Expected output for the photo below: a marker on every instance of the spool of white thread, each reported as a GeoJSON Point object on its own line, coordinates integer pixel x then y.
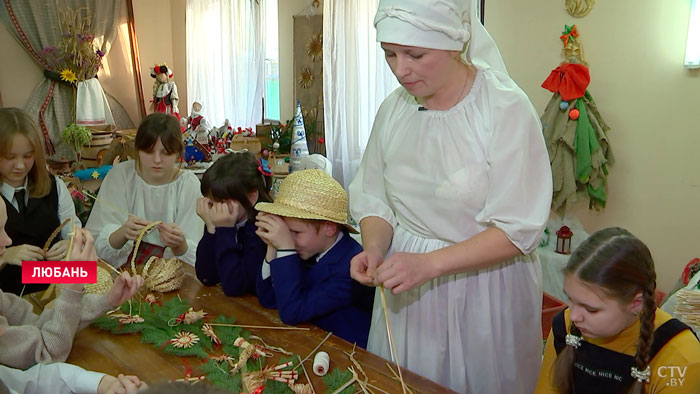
{"type": "Point", "coordinates": [321, 362]}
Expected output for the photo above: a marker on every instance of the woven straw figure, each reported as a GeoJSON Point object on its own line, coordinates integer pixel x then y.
{"type": "Point", "coordinates": [158, 274]}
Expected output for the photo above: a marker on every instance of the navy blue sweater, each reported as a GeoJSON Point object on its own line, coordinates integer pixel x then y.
{"type": "Point", "coordinates": [232, 257]}
{"type": "Point", "coordinates": [321, 293]}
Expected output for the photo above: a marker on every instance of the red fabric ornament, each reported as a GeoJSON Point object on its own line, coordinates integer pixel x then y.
{"type": "Point", "coordinates": [574, 114]}
{"type": "Point", "coordinates": [569, 80]}
{"type": "Point", "coordinates": [321, 140]}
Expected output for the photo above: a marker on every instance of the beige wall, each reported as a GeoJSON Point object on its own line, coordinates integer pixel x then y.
{"type": "Point", "coordinates": [635, 51]}
{"type": "Point", "coordinates": [19, 73]}
{"type": "Point", "coordinates": [286, 10]}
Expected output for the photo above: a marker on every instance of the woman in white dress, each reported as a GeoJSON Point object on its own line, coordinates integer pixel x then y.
{"type": "Point", "coordinates": [151, 188]}
{"type": "Point", "coordinates": [452, 196]}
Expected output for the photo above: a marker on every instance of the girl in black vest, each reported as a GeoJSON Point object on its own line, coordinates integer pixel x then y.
{"type": "Point", "coordinates": [613, 338]}
{"type": "Point", "coordinates": [36, 201]}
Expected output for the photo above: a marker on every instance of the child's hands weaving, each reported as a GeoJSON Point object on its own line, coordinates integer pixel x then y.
{"type": "Point", "coordinates": [122, 384]}
{"type": "Point", "coordinates": [173, 237]}
{"type": "Point", "coordinates": [16, 254]}
{"type": "Point", "coordinates": [124, 287]}
{"type": "Point", "coordinates": [58, 250]}
{"type": "Point", "coordinates": [133, 226]}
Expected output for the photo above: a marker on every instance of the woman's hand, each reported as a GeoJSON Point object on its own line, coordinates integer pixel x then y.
{"type": "Point", "coordinates": [405, 271]}
{"type": "Point", "coordinates": [204, 205]}
{"type": "Point", "coordinates": [120, 385]}
{"type": "Point", "coordinates": [133, 226]}
{"type": "Point", "coordinates": [58, 250]}
{"type": "Point", "coordinates": [124, 287]}
{"type": "Point", "coordinates": [83, 246]}
{"type": "Point", "coordinates": [363, 267]}
{"type": "Point", "coordinates": [225, 214]}
{"type": "Point", "coordinates": [273, 230]}
{"type": "Point", "coordinates": [16, 254]}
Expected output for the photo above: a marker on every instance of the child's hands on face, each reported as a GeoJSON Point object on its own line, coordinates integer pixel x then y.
{"type": "Point", "coordinates": [225, 213]}
{"type": "Point", "coordinates": [273, 230]}
{"type": "Point", "coordinates": [204, 205]}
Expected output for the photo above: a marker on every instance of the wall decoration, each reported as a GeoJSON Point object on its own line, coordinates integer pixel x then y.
{"type": "Point", "coordinates": [308, 71]}
{"type": "Point", "coordinates": [579, 8]}
{"type": "Point", "coordinates": [575, 133]}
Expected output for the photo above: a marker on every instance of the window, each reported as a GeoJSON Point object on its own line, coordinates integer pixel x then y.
{"type": "Point", "coordinates": [272, 67]}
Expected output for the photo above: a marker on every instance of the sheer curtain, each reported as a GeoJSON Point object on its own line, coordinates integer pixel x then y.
{"type": "Point", "coordinates": [225, 59]}
{"type": "Point", "coordinates": [356, 79]}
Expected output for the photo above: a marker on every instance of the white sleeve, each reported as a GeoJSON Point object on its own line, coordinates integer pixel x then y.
{"type": "Point", "coordinates": [66, 209]}
{"type": "Point", "coordinates": [174, 98]}
{"type": "Point", "coordinates": [56, 378]}
{"type": "Point", "coordinates": [520, 177]}
{"type": "Point", "coordinates": [367, 193]}
{"type": "Point", "coordinates": [188, 220]}
{"type": "Point", "coordinates": [106, 218]}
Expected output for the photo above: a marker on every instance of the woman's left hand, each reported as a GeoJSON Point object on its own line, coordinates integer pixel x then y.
{"type": "Point", "coordinates": [124, 287]}
{"type": "Point", "coordinates": [405, 271]}
{"type": "Point", "coordinates": [58, 250]}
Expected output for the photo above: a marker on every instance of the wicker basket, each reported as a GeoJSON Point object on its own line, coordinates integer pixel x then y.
{"type": "Point", "coordinates": [158, 274]}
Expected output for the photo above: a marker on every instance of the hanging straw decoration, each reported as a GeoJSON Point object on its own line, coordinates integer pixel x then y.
{"type": "Point", "coordinates": [392, 346]}
{"type": "Point", "coordinates": [579, 8]}
{"type": "Point", "coordinates": [158, 274]}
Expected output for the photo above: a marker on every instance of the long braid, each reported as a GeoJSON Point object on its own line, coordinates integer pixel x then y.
{"type": "Point", "coordinates": [563, 368]}
{"type": "Point", "coordinates": [646, 334]}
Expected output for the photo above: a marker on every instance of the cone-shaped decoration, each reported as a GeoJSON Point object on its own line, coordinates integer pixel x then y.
{"type": "Point", "coordinates": [300, 146]}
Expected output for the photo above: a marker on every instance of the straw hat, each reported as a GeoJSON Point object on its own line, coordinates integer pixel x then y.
{"type": "Point", "coordinates": [310, 194]}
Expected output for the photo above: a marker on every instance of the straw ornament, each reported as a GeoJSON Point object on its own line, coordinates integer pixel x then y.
{"type": "Point", "coordinates": [184, 340]}
{"type": "Point", "coordinates": [310, 194]}
{"type": "Point", "coordinates": [579, 8]}
{"type": "Point", "coordinates": [209, 332]}
{"type": "Point", "coordinates": [256, 379]}
{"type": "Point", "coordinates": [158, 274]}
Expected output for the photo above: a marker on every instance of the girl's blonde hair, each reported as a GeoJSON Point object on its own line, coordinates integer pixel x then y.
{"type": "Point", "coordinates": [15, 121]}
{"type": "Point", "coordinates": [620, 265]}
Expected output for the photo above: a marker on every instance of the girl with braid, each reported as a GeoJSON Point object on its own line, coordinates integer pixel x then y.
{"type": "Point", "coordinates": [613, 338]}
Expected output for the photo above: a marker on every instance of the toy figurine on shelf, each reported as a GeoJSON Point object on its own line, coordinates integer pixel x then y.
{"type": "Point", "coordinates": [197, 125]}
{"type": "Point", "coordinates": [225, 131]}
{"type": "Point", "coordinates": [165, 97]}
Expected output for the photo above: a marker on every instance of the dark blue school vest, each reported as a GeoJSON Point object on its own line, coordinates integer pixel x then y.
{"type": "Point", "coordinates": [33, 227]}
{"type": "Point", "coordinates": [603, 371]}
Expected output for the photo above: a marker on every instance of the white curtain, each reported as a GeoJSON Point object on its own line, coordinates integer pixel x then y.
{"type": "Point", "coordinates": [356, 79]}
{"type": "Point", "coordinates": [225, 59]}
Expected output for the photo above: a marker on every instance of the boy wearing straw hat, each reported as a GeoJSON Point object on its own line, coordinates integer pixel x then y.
{"type": "Point", "coordinates": [306, 273]}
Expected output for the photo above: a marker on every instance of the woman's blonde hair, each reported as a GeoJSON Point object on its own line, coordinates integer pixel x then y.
{"type": "Point", "coordinates": [15, 121]}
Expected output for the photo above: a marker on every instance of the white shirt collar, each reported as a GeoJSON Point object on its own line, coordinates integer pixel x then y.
{"type": "Point", "coordinates": [337, 239]}
{"type": "Point", "coordinates": [8, 191]}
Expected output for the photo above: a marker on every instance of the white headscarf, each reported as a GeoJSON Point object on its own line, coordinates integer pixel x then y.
{"type": "Point", "coordinates": [438, 24]}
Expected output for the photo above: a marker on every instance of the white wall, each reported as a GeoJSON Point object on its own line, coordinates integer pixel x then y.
{"type": "Point", "coordinates": [635, 51]}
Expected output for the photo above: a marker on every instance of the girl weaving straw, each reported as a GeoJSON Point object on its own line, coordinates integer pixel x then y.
{"type": "Point", "coordinates": [613, 338]}
{"type": "Point", "coordinates": [36, 202]}
{"type": "Point", "coordinates": [230, 252]}
{"type": "Point", "coordinates": [28, 338]}
{"type": "Point", "coordinates": [151, 188]}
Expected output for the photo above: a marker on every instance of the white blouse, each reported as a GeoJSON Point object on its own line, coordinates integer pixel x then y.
{"type": "Point", "coordinates": [123, 190]}
{"type": "Point", "coordinates": [451, 174]}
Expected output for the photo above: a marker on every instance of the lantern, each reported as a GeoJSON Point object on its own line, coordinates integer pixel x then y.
{"type": "Point", "coordinates": [564, 235]}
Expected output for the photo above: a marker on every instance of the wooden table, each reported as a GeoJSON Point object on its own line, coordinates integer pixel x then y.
{"type": "Point", "coordinates": [102, 351]}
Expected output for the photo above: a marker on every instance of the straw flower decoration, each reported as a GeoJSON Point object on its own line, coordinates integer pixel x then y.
{"type": "Point", "coordinates": [306, 78]}
{"type": "Point", "coordinates": [184, 340]}
{"type": "Point", "coordinates": [314, 48]}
